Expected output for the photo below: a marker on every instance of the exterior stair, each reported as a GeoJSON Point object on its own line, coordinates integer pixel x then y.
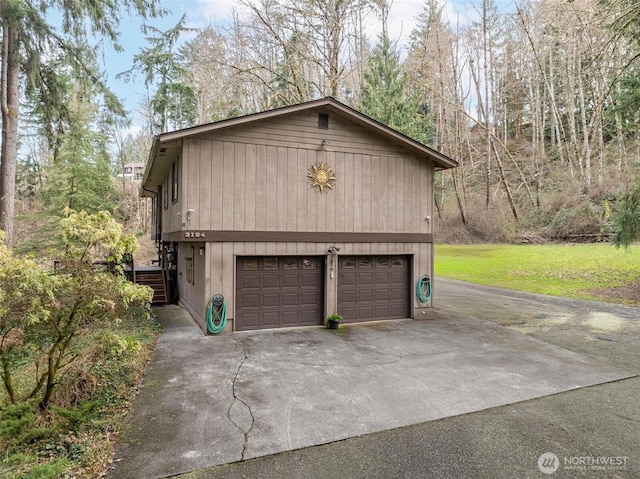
{"type": "Point", "coordinates": [154, 278]}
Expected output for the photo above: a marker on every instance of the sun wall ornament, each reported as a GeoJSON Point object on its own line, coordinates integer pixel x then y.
{"type": "Point", "coordinates": [321, 176]}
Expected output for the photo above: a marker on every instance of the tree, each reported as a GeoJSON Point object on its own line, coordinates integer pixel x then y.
{"type": "Point", "coordinates": [28, 36]}
{"type": "Point", "coordinates": [626, 219]}
{"type": "Point", "coordinates": [173, 104]}
{"type": "Point", "coordinates": [386, 95]}
{"type": "Point", "coordinates": [79, 177]}
{"type": "Point", "coordinates": [44, 314]}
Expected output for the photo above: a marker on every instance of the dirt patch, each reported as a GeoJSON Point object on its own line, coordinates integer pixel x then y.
{"type": "Point", "coordinates": [627, 294]}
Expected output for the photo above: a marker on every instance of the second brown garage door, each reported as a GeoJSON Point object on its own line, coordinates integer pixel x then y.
{"type": "Point", "coordinates": [279, 291]}
{"type": "Point", "coordinates": [374, 287]}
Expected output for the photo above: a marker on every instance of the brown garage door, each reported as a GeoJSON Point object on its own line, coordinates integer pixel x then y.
{"type": "Point", "coordinates": [374, 287]}
{"type": "Point", "coordinates": [279, 291]}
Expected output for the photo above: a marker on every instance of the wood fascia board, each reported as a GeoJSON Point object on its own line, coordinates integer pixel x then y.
{"type": "Point", "coordinates": [441, 161]}
{"type": "Point", "coordinates": [229, 236]}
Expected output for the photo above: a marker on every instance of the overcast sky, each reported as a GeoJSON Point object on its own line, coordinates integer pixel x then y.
{"type": "Point", "coordinates": [200, 13]}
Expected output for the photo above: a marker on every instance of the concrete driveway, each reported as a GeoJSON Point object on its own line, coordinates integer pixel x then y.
{"type": "Point", "coordinates": [207, 401]}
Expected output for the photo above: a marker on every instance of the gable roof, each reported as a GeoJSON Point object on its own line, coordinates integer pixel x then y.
{"type": "Point", "coordinates": [440, 160]}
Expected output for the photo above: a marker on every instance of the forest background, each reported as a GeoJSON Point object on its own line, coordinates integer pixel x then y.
{"type": "Point", "coordinates": [538, 102]}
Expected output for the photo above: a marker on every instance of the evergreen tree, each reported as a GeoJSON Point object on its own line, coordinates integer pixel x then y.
{"type": "Point", "coordinates": [174, 103]}
{"type": "Point", "coordinates": [29, 36]}
{"type": "Point", "coordinates": [385, 95]}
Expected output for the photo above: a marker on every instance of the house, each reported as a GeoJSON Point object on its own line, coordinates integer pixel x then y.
{"type": "Point", "coordinates": [133, 171]}
{"type": "Point", "coordinates": [293, 214]}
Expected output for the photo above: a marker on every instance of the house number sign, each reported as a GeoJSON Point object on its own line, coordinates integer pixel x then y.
{"type": "Point", "coordinates": [193, 234]}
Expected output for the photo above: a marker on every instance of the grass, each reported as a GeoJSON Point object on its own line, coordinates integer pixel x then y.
{"type": "Point", "coordinates": [584, 271]}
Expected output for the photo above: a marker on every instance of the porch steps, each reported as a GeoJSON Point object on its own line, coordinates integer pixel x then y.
{"type": "Point", "coordinates": [154, 278]}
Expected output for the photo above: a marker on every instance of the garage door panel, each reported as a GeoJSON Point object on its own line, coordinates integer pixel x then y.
{"type": "Point", "coordinates": [347, 296]}
{"type": "Point", "coordinates": [250, 301]}
{"type": "Point", "coordinates": [347, 278]}
{"type": "Point", "coordinates": [270, 280]}
{"type": "Point", "coordinates": [270, 319]}
{"type": "Point", "coordinates": [381, 277]}
{"type": "Point", "coordinates": [308, 278]}
{"type": "Point", "coordinates": [274, 292]}
{"type": "Point", "coordinates": [310, 299]}
{"type": "Point", "coordinates": [250, 281]}
{"type": "Point", "coordinates": [288, 318]}
{"type": "Point", "coordinates": [374, 287]}
{"type": "Point", "coordinates": [290, 281]}
{"type": "Point", "coordinates": [270, 299]}
{"type": "Point", "coordinates": [381, 295]}
{"type": "Point", "coordinates": [364, 278]}
{"type": "Point", "coordinates": [364, 295]}
{"type": "Point", "coordinates": [381, 311]}
{"type": "Point", "coordinates": [289, 299]}
{"type": "Point", "coordinates": [252, 320]}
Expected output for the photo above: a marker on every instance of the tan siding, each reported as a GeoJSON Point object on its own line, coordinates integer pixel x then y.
{"type": "Point", "coordinates": [217, 184]}
{"type": "Point", "coordinates": [238, 186]}
{"type": "Point", "coordinates": [250, 185]}
{"type": "Point", "coordinates": [203, 212]}
{"type": "Point", "coordinates": [272, 185]}
{"type": "Point", "coordinates": [291, 189]}
{"type": "Point", "coordinates": [301, 190]}
{"type": "Point", "coordinates": [301, 131]}
{"type": "Point", "coordinates": [262, 187]}
{"type": "Point", "coordinates": [228, 172]}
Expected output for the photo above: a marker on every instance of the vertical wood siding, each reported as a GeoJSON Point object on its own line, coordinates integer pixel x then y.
{"type": "Point", "coordinates": [255, 178]}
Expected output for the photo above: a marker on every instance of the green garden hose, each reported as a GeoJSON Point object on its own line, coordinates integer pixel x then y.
{"type": "Point", "coordinates": [216, 314]}
{"type": "Point", "coordinates": [423, 289]}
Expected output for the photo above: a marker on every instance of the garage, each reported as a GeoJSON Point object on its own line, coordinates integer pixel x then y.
{"type": "Point", "coordinates": [279, 291]}
{"type": "Point", "coordinates": [374, 287]}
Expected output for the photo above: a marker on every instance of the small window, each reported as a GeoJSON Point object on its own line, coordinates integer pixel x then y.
{"type": "Point", "coordinates": [174, 181]}
{"type": "Point", "coordinates": [165, 193]}
{"type": "Point", "coordinates": [397, 262]}
{"type": "Point", "coordinates": [323, 121]}
{"type": "Point", "coordinates": [250, 264]}
{"type": "Point", "coordinates": [154, 208]}
{"type": "Point", "coordinates": [270, 263]}
{"type": "Point", "coordinates": [290, 263]}
{"type": "Point", "coordinates": [365, 262]}
{"type": "Point", "coordinates": [382, 261]}
{"type": "Point", "coordinates": [309, 263]}
{"type": "Point", "coordinates": [189, 268]}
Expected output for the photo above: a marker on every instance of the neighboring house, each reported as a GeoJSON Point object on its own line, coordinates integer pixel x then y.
{"type": "Point", "coordinates": [293, 214]}
{"type": "Point", "coordinates": [133, 171]}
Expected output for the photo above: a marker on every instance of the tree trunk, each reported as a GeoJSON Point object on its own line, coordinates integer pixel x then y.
{"type": "Point", "coordinates": [10, 103]}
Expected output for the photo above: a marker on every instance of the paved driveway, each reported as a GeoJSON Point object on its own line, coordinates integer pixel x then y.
{"type": "Point", "coordinates": [207, 401]}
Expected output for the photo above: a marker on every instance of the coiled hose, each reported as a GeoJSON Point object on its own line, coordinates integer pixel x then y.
{"type": "Point", "coordinates": [216, 316]}
{"type": "Point", "coordinates": [423, 289]}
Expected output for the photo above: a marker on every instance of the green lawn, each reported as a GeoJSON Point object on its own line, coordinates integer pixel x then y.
{"type": "Point", "coordinates": [587, 271]}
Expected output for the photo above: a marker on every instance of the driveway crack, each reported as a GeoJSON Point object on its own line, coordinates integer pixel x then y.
{"type": "Point", "coordinates": [239, 412]}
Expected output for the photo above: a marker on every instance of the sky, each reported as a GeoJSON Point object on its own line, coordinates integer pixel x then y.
{"type": "Point", "coordinates": [200, 13]}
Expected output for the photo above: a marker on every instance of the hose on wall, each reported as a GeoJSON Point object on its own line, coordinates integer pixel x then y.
{"type": "Point", "coordinates": [216, 314]}
{"type": "Point", "coordinates": [423, 289]}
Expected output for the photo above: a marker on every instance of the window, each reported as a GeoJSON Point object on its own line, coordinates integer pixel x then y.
{"type": "Point", "coordinates": [165, 193]}
{"type": "Point", "coordinates": [323, 121]}
{"type": "Point", "coordinates": [154, 209]}
{"type": "Point", "coordinates": [189, 268]}
{"type": "Point", "coordinates": [174, 181]}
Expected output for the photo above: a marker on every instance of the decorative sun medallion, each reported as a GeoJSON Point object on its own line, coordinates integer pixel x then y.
{"type": "Point", "coordinates": [321, 176]}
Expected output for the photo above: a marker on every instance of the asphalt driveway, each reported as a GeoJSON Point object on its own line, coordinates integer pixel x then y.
{"type": "Point", "coordinates": [209, 401]}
